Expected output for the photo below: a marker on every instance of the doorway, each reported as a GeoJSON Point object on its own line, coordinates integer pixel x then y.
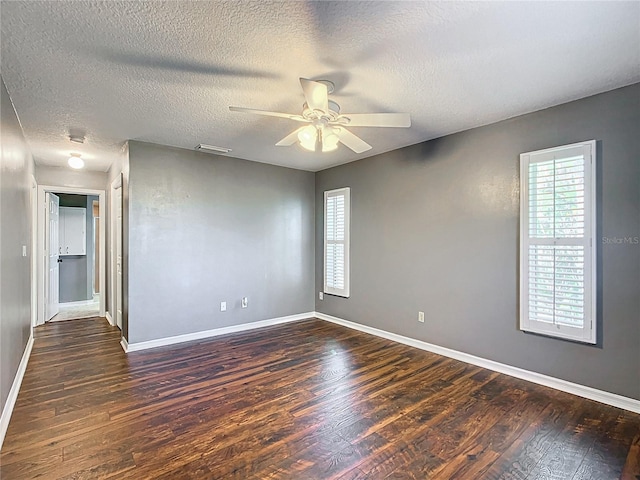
{"type": "Point", "coordinates": [71, 246]}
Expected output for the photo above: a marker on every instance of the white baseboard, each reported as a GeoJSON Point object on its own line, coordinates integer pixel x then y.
{"type": "Point", "coordinates": [574, 388]}
{"type": "Point", "coordinates": [107, 315]}
{"type": "Point", "coordinates": [188, 337]}
{"type": "Point", "coordinates": [15, 388]}
{"type": "Point", "coordinates": [124, 344]}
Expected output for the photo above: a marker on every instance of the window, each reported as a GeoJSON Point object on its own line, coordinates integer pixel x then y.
{"type": "Point", "coordinates": [557, 248]}
{"type": "Point", "coordinates": [337, 206]}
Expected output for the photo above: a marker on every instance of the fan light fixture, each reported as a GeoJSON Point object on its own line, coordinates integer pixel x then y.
{"type": "Point", "coordinates": [327, 124]}
{"type": "Point", "coordinates": [308, 137]}
{"type": "Point", "coordinates": [75, 161]}
{"type": "Point", "coordinates": [329, 140]}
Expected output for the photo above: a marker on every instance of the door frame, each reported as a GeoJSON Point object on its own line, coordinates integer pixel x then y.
{"type": "Point", "coordinates": [41, 232]}
{"type": "Point", "coordinates": [113, 267]}
{"type": "Point", "coordinates": [34, 250]}
{"type": "Point", "coordinates": [96, 248]}
{"type": "Point", "coordinates": [52, 255]}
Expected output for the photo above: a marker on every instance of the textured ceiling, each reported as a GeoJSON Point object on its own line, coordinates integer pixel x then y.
{"type": "Point", "coordinates": [165, 72]}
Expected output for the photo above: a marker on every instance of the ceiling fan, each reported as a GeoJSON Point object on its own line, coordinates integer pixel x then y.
{"type": "Point", "coordinates": [326, 125]}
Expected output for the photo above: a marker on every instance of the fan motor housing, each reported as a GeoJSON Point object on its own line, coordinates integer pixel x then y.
{"type": "Point", "coordinates": [332, 114]}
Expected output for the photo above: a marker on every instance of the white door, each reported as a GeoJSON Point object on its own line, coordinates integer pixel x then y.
{"type": "Point", "coordinates": [119, 257]}
{"type": "Point", "coordinates": [52, 255]}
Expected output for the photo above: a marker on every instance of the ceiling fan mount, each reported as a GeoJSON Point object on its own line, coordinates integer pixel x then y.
{"type": "Point", "coordinates": [326, 124]}
{"type": "Point", "coordinates": [332, 114]}
{"type": "Point", "coordinates": [331, 87]}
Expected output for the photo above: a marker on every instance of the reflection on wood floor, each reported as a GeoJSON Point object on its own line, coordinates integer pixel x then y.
{"type": "Point", "coordinates": [305, 400]}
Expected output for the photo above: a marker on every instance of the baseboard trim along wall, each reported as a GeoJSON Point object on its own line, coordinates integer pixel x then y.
{"type": "Point", "coordinates": [601, 396]}
{"type": "Point", "coordinates": [188, 337]}
{"type": "Point", "coordinates": [109, 319]}
{"type": "Point", "coordinates": [574, 388]}
{"type": "Point", "coordinates": [15, 388]}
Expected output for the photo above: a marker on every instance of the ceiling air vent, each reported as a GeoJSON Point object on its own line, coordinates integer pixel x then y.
{"type": "Point", "coordinates": [212, 148]}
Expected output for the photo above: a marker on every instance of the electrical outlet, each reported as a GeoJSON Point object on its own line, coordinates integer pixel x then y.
{"type": "Point", "coordinates": [421, 317]}
{"type": "Point", "coordinates": [321, 295]}
{"type": "Point", "coordinates": [223, 306]}
{"type": "Point", "coordinates": [245, 302]}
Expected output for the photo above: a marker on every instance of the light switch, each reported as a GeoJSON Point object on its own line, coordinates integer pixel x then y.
{"type": "Point", "coordinates": [223, 306]}
{"type": "Point", "coordinates": [24, 250]}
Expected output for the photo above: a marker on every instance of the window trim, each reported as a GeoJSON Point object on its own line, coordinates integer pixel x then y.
{"type": "Point", "coordinates": [587, 333]}
{"type": "Point", "coordinates": [344, 292]}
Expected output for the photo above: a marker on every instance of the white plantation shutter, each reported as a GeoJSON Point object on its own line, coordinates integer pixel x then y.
{"type": "Point", "coordinates": [336, 241]}
{"type": "Point", "coordinates": [557, 251]}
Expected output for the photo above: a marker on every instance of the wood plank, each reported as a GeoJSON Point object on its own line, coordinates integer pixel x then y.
{"type": "Point", "coordinates": [306, 400]}
{"type": "Point", "coordinates": [631, 469]}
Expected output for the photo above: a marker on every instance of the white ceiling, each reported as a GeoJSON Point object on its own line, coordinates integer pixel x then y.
{"type": "Point", "coordinates": [165, 72]}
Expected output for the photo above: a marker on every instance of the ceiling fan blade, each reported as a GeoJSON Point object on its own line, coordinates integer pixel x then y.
{"type": "Point", "coordinates": [290, 139]}
{"type": "Point", "coordinates": [375, 120]}
{"type": "Point", "coordinates": [267, 113]}
{"type": "Point", "coordinates": [352, 141]}
{"type": "Point", "coordinates": [316, 95]}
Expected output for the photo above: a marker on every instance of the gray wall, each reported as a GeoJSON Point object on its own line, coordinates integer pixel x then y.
{"type": "Point", "coordinates": [73, 278]}
{"type": "Point", "coordinates": [435, 228]}
{"type": "Point", "coordinates": [67, 177]}
{"type": "Point", "coordinates": [16, 169]}
{"type": "Point", "coordinates": [205, 229]}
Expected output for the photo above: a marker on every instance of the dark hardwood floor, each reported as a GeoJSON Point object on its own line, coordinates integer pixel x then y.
{"type": "Point", "coordinates": [305, 400]}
